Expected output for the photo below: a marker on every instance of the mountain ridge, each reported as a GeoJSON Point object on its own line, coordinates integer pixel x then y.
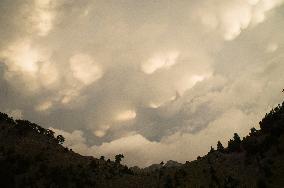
{"type": "Point", "coordinates": [31, 156]}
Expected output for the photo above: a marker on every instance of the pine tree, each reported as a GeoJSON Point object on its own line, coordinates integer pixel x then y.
{"type": "Point", "coordinates": [252, 131]}
{"type": "Point", "coordinates": [237, 138]}
{"type": "Point", "coordinates": [234, 145]}
{"type": "Point", "coordinates": [220, 147]}
{"type": "Point", "coordinates": [118, 158]}
{"type": "Point", "coordinates": [211, 150]}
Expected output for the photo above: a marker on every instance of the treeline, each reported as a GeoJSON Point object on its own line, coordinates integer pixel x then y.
{"type": "Point", "coordinates": [45, 164]}
{"type": "Point", "coordinates": [25, 126]}
{"type": "Point", "coordinates": [258, 141]}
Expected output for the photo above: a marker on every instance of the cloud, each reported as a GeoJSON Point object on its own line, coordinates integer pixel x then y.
{"type": "Point", "coordinates": [126, 115]}
{"type": "Point", "coordinates": [143, 152]}
{"type": "Point", "coordinates": [44, 106]}
{"type": "Point", "coordinates": [160, 60]}
{"type": "Point", "coordinates": [84, 69]}
{"type": "Point", "coordinates": [43, 16]}
{"type": "Point", "coordinates": [28, 65]}
{"type": "Point", "coordinates": [16, 113]}
{"type": "Point", "coordinates": [48, 75]}
{"type": "Point", "coordinates": [188, 82]}
{"type": "Point", "coordinates": [101, 131]}
{"type": "Point", "coordinates": [271, 47]}
{"type": "Point", "coordinates": [74, 140]}
{"type": "Point", "coordinates": [232, 17]}
{"type": "Point", "coordinates": [30, 68]}
{"type": "Point", "coordinates": [22, 57]}
{"type": "Point", "coordinates": [167, 78]}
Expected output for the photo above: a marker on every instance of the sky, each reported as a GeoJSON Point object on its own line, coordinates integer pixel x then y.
{"type": "Point", "coordinates": [156, 80]}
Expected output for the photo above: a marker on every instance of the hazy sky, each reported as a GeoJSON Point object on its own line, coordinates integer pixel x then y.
{"type": "Point", "coordinates": [154, 80]}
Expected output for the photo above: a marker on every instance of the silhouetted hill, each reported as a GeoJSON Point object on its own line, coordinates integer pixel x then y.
{"type": "Point", "coordinates": [30, 156]}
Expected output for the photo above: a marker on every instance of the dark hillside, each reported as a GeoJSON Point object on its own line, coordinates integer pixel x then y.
{"type": "Point", "coordinates": [30, 156]}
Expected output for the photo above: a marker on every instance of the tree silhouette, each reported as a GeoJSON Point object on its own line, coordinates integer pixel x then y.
{"type": "Point", "coordinates": [234, 145]}
{"type": "Point", "coordinates": [60, 139]}
{"type": "Point", "coordinates": [252, 131]}
{"type": "Point", "coordinates": [6, 118]}
{"type": "Point", "coordinates": [237, 138]}
{"type": "Point", "coordinates": [220, 147]}
{"type": "Point", "coordinates": [211, 150]}
{"type": "Point", "coordinates": [118, 158]}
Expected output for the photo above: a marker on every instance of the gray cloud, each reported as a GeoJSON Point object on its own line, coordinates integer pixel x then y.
{"type": "Point", "coordinates": [155, 80]}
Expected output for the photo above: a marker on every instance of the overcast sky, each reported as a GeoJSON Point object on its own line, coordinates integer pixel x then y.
{"type": "Point", "coordinates": [155, 80]}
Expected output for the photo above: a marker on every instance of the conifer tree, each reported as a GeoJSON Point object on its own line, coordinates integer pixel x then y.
{"type": "Point", "coordinates": [220, 147]}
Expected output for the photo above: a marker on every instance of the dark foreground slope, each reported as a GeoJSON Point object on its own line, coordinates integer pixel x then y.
{"type": "Point", "coordinates": [31, 156]}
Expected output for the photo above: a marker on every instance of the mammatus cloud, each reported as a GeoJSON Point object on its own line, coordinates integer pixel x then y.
{"type": "Point", "coordinates": [84, 69]}
{"type": "Point", "coordinates": [31, 69]}
{"type": "Point", "coordinates": [126, 115]}
{"type": "Point", "coordinates": [184, 146]}
{"type": "Point", "coordinates": [28, 65]}
{"type": "Point", "coordinates": [44, 106]}
{"type": "Point", "coordinates": [43, 16]}
{"type": "Point", "coordinates": [232, 17]}
{"type": "Point", "coordinates": [155, 80]}
{"type": "Point", "coordinates": [160, 60]}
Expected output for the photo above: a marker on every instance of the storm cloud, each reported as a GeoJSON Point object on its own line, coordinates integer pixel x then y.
{"type": "Point", "coordinates": [155, 80]}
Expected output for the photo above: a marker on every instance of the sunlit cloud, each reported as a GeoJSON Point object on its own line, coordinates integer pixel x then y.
{"type": "Point", "coordinates": [101, 131]}
{"type": "Point", "coordinates": [233, 17]}
{"type": "Point", "coordinates": [158, 81]}
{"type": "Point", "coordinates": [85, 69]}
{"type": "Point", "coordinates": [31, 64]}
{"type": "Point", "coordinates": [126, 115]}
{"type": "Point", "coordinates": [68, 97]}
{"type": "Point", "coordinates": [44, 106]}
{"type": "Point", "coordinates": [21, 56]}
{"type": "Point", "coordinates": [160, 60]}
{"type": "Point", "coordinates": [145, 152]}
{"type": "Point", "coordinates": [154, 105]}
{"type": "Point", "coordinates": [48, 74]}
{"type": "Point", "coordinates": [43, 16]}
{"type": "Point", "coordinates": [74, 140]}
{"type": "Point", "coordinates": [188, 82]}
